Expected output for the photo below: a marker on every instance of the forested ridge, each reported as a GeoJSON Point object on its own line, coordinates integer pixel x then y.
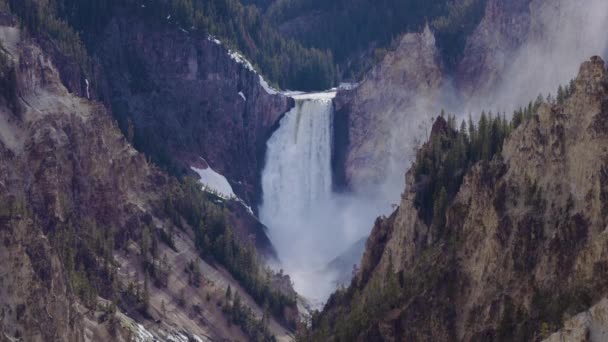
{"type": "Point", "coordinates": [441, 164]}
{"type": "Point", "coordinates": [348, 28]}
{"type": "Point", "coordinates": [325, 45]}
{"type": "Point", "coordinates": [75, 25]}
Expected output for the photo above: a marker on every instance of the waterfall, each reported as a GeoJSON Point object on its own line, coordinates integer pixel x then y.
{"type": "Point", "coordinates": [308, 224]}
{"type": "Point", "coordinates": [298, 160]}
{"type": "Point", "coordinates": [297, 184]}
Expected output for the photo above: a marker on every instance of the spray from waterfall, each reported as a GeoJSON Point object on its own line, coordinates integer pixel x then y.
{"type": "Point", "coordinates": [560, 35]}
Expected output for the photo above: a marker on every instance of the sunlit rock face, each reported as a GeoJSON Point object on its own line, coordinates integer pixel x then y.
{"type": "Point", "coordinates": [379, 121]}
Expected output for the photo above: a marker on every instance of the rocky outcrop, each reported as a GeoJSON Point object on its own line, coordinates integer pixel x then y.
{"type": "Point", "coordinates": [588, 326]}
{"type": "Point", "coordinates": [374, 122]}
{"type": "Point", "coordinates": [62, 158]}
{"type": "Point", "coordinates": [188, 95]}
{"type": "Point", "coordinates": [524, 245]}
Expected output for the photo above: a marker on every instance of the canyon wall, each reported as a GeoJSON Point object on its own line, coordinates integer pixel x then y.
{"type": "Point", "coordinates": [80, 209]}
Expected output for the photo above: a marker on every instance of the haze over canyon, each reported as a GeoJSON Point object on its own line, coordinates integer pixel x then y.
{"type": "Point", "coordinates": [303, 170]}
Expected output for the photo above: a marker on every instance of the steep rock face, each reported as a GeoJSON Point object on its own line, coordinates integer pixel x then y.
{"type": "Point", "coordinates": [62, 158]}
{"type": "Point", "coordinates": [71, 183]}
{"type": "Point", "coordinates": [406, 82]}
{"type": "Point", "coordinates": [524, 244]}
{"type": "Point", "coordinates": [187, 96]}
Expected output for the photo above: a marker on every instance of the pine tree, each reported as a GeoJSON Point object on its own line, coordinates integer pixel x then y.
{"type": "Point", "coordinates": [228, 293]}
{"type": "Point", "coordinates": [439, 208]}
{"type": "Point", "coordinates": [146, 293]}
{"type": "Point", "coordinates": [196, 274]}
{"type": "Point", "coordinates": [539, 100]}
{"type": "Point", "coordinates": [145, 243]}
{"type": "Point", "coordinates": [484, 133]}
{"type": "Point", "coordinates": [181, 300]}
{"type": "Point", "coordinates": [236, 308]}
{"type": "Point", "coordinates": [518, 117]}
{"type": "Point", "coordinates": [571, 88]}
{"type": "Point", "coordinates": [463, 129]}
{"type": "Point", "coordinates": [473, 152]}
{"type": "Point", "coordinates": [561, 95]}
{"type": "Point", "coordinates": [495, 137]}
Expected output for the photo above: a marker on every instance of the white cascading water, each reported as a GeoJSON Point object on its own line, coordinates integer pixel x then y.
{"type": "Point", "coordinates": [309, 225]}
{"type": "Point", "coordinates": [297, 192]}
{"type": "Point", "coordinates": [298, 161]}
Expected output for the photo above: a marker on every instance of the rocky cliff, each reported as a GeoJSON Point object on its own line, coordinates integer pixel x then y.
{"type": "Point", "coordinates": [80, 211]}
{"type": "Point", "coordinates": [187, 95]}
{"type": "Point", "coordinates": [370, 121]}
{"type": "Point", "coordinates": [587, 326]}
{"type": "Point", "coordinates": [523, 248]}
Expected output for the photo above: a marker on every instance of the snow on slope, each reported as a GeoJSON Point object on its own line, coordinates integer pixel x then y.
{"type": "Point", "coordinates": [215, 183]}
{"type": "Point", "coordinates": [237, 57]}
{"type": "Point", "coordinates": [218, 185]}
{"type": "Point", "coordinates": [270, 90]}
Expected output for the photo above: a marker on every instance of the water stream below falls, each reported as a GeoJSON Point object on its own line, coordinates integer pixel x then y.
{"type": "Point", "coordinates": [308, 224]}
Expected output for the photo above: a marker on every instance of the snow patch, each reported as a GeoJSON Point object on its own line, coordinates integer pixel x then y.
{"type": "Point", "coordinates": [249, 210]}
{"type": "Point", "coordinates": [348, 86]}
{"type": "Point", "coordinates": [215, 183]}
{"type": "Point", "coordinates": [237, 57]}
{"type": "Point", "coordinates": [270, 90]}
{"type": "Point", "coordinates": [214, 40]}
{"type": "Point", "coordinates": [242, 96]}
{"type": "Point", "coordinates": [181, 337]}
{"type": "Point", "coordinates": [86, 81]}
{"type": "Point", "coordinates": [140, 333]}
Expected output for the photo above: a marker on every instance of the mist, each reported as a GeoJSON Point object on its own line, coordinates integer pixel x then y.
{"type": "Point", "coordinates": [310, 225]}
{"type": "Point", "coordinates": [560, 36]}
